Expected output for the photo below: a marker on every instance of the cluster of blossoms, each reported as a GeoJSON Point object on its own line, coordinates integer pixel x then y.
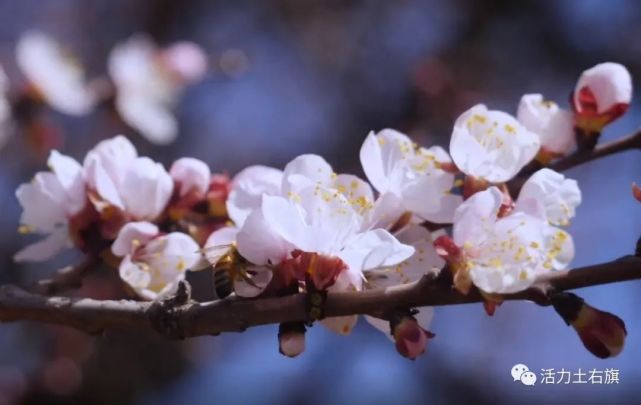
{"type": "Point", "coordinates": [306, 228]}
{"type": "Point", "coordinates": [144, 83]}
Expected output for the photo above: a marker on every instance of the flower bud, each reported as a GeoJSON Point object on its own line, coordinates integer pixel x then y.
{"type": "Point", "coordinates": [636, 192]}
{"type": "Point", "coordinates": [553, 125]}
{"type": "Point", "coordinates": [411, 339]}
{"type": "Point", "coordinates": [602, 333]}
{"type": "Point", "coordinates": [602, 94]}
{"type": "Point", "coordinates": [291, 338]}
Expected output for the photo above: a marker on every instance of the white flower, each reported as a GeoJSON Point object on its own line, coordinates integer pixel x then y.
{"type": "Point", "coordinates": [136, 186]}
{"type": "Point", "coordinates": [504, 255]}
{"type": "Point", "coordinates": [318, 220]}
{"type": "Point", "coordinates": [304, 171]}
{"type": "Point", "coordinates": [491, 145]}
{"type": "Point", "coordinates": [192, 177]}
{"type": "Point", "coordinates": [49, 202]}
{"type": "Point", "coordinates": [247, 189]}
{"type": "Point", "coordinates": [602, 89]}
{"type": "Point", "coordinates": [558, 196]}
{"type": "Point", "coordinates": [321, 221]}
{"type": "Point", "coordinates": [149, 81]}
{"type": "Point", "coordinates": [553, 125]}
{"type": "Point", "coordinates": [153, 264]}
{"type": "Point", "coordinates": [56, 76]}
{"type": "Point", "coordinates": [423, 262]}
{"type": "Point", "coordinates": [409, 178]}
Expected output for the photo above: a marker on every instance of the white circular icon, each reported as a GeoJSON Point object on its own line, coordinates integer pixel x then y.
{"type": "Point", "coordinates": [518, 370]}
{"type": "Point", "coordinates": [528, 378]}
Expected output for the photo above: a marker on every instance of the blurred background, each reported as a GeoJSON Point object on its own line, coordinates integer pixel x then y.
{"type": "Point", "coordinates": [290, 77]}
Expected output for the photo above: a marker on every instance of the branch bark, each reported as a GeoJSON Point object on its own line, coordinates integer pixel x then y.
{"type": "Point", "coordinates": [67, 278]}
{"type": "Point", "coordinates": [180, 317]}
{"type": "Point", "coordinates": [630, 142]}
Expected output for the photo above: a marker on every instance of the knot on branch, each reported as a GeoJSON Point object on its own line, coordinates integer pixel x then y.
{"type": "Point", "coordinates": [315, 305]}
{"type": "Point", "coordinates": [165, 315]}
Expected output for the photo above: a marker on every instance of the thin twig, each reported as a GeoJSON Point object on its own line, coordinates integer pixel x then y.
{"type": "Point", "coordinates": [67, 278]}
{"type": "Point", "coordinates": [630, 142]}
{"type": "Point", "coordinates": [179, 317]}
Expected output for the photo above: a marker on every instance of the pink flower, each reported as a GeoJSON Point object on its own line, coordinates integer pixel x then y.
{"type": "Point", "coordinates": [53, 204]}
{"type": "Point", "coordinates": [553, 125]}
{"type": "Point", "coordinates": [124, 186]}
{"type": "Point", "coordinates": [153, 263]}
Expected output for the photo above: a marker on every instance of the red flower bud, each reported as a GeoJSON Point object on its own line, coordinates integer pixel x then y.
{"type": "Point", "coordinates": [602, 333]}
{"type": "Point", "coordinates": [291, 338]}
{"type": "Point", "coordinates": [602, 94]}
{"type": "Point", "coordinates": [636, 192]}
{"type": "Point", "coordinates": [410, 338]}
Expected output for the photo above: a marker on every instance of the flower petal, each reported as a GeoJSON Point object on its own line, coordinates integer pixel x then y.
{"type": "Point", "coordinates": [132, 236]}
{"type": "Point", "coordinates": [192, 175]}
{"type": "Point", "coordinates": [248, 188]}
{"type": "Point", "coordinates": [45, 249]}
{"type": "Point", "coordinates": [342, 325]}
{"type": "Point", "coordinates": [304, 171]}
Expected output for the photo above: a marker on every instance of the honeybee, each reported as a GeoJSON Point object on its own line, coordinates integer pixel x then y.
{"type": "Point", "coordinates": [232, 272]}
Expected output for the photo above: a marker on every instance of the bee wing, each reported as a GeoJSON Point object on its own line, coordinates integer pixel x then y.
{"type": "Point", "coordinates": [252, 280]}
{"type": "Point", "coordinates": [213, 254]}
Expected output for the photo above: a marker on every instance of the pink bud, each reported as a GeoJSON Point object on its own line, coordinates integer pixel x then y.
{"type": "Point", "coordinates": [291, 338]}
{"type": "Point", "coordinates": [410, 338]}
{"type": "Point", "coordinates": [602, 333]}
{"type": "Point", "coordinates": [602, 94]}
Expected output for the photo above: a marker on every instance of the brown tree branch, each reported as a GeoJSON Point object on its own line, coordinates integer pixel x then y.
{"type": "Point", "coordinates": [632, 141]}
{"type": "Point", "coordinates": [179, 317]}
{"type": "Point", "coordinates": [629, 142]}
{"type": "Point", "coordinates": [67, 277]}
